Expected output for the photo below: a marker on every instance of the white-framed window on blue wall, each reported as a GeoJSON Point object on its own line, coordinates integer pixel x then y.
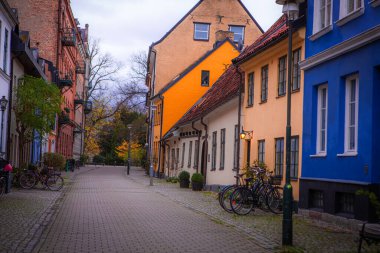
{"type": "Point", "coordinates": [349, 10]}
{"type": "Point", "coordinates": [351, 115]}
{"type": "Point", "coordinates": [322, 120]}
{"type": "Point", "coordinates": [322, 16]}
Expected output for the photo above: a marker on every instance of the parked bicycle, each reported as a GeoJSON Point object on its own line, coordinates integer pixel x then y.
{"type": "Point", "coordinates": [262, 193]}
{"type": "Point", "coordinates": [48, 177]}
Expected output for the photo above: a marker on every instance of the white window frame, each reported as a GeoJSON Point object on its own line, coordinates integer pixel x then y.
{"type": "Point", "coordinates": [242, 34]}
{"type": "Point", "coordinates": [345, 16]}
{"type": "Point", "coordinates": [201, 31]}
{"type": "Point", "coordinates": [319, 119]}
{"type": "Point", "coordinates": [317, 30]}
{"type": "Point", "coordinates": [347, 149]}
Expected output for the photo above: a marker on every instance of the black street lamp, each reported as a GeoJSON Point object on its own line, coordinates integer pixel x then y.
{"type": "Point", "coordinates": [291, 9]}
{"type": "Point", "coordinates": [129, 148]}
{"type": "Point", "coordinates": [3, 107]}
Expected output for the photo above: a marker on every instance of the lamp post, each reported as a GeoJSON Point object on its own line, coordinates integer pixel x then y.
{"type": "Point", "coordinates": [152, 110]}
{"type": "Point", "coordinates": [290, 8]}
{"type": "Point", "coordinates": [3, 107]}
{"type": "Point", "coordinates": [129, 148]}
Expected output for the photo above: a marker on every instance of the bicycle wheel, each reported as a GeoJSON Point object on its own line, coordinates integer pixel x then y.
{"type": "Point", "coordinates": [274, 200]}
{"type": "Point", "coordinates": [54, 182]}
{"type": "Point", "coordinates": [224, 198]}
{"type": "Point", "coordinates": [27, 180]}
{"type": "Point", "coordinates": [241, 201]}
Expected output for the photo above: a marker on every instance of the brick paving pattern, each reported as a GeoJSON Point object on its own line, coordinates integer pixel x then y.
{"type": "Point", "coordinates": [25, 213]}
{"type": "Point", "coordinates": [103, 211]}
{"type": "Point", "coordinates": [265, 228]}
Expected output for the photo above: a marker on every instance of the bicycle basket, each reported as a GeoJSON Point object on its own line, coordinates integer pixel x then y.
{"type": "Point", "coordinates": [273, 180]}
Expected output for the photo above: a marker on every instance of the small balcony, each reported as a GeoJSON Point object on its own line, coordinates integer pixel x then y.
{"type": "Point", "coordinates": [87, 107]}
{"type": "Point", "coordinates": [65, 80]}
{"type": "Point", "coordinates": [68, 37]}
{"type": "Point", "coordinates": [80, 68]}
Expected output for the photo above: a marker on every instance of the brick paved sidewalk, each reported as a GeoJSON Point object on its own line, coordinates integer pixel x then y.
{"type": "Point", "coordinates": [25, 213]}
{"type": "Point", "coordinates": [265, 228]}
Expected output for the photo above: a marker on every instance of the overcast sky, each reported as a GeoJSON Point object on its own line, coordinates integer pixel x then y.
{"type": "Point", "coordinates": [128, 26]}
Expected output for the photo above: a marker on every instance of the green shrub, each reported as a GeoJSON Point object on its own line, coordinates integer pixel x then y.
{"type": "Point", "coordinates": [197, 178]}
{"type": "Point", "coordinates": [83, 159]}
{"type": "Point", "coordinates": [175, 180]}
{"type": "Point", "coordinates": [57, 161]}
{"type": "Point", "coordinates": [98, 159]}
{"type": "Point", "coordinates": [184, 176]}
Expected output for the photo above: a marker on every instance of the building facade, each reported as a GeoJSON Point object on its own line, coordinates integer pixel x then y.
{"type": "Point", "coordinates": [265, 100]}
{"type": "Point", "coordinates": [191, 38]}
{"type": "Point", "coordinates": [206, 138]}
{"type": "Point", "coordinates": [55, 34]}
{"type": "Point", "coordinates": [341, 110]}
{"type": "Point", "coordinates": [8, 22]}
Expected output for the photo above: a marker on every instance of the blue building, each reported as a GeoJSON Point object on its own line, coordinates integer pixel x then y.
{"type": "Point", "coordinates": [341, 123]}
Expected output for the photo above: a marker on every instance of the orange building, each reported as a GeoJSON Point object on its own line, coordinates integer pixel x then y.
{"type": "Point", "coordinates": [180, 56]}
{"type": "Point", "coordinates": [264, 107]}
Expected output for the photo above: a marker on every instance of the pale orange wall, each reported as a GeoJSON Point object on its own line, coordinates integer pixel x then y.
{"type": "Point", "coordinates": [179, 50]}
{"type": "Point", "coordinates": [184, 94]}
{"type": "Point", "coordinates": [268, 120]}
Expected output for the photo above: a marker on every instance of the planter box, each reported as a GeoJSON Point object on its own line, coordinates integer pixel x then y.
{"type": "Point", "coordinates": [184, 184]}
{"type": "Point", "coordinates": [197, 186]}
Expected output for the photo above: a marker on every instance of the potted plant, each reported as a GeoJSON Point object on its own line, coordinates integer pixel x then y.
{"type": "Point", "coordinates": [184, 179]}
{"type": "Point", "coordinates": [197, 182]}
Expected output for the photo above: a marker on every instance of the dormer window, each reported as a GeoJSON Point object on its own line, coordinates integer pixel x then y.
{"type": "Point", "coordinates": [205, 79]}
{"type": "Point", "coordinates": [201, 31]}
{"type": "Point", "coordinates": [238, 33]}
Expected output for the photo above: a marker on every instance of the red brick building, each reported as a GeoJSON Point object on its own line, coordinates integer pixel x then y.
{"type": "Point", "coordinates": [55, 33]}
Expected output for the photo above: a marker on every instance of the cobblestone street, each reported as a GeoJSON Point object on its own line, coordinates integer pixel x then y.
{"type": "Point", "coordinates": [102, 211]}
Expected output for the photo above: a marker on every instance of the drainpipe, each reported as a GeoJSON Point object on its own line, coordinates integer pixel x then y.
{"type": "Point", "coordinates": [199, 143]}
{"type": "Point", "coordinates": [205, 136]}
{"type": "Point", "coordinates": [239, 125]}
{"type": "Point", "coordinates": [161, 123]}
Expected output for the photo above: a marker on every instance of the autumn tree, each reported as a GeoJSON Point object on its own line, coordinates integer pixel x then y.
{"type": "Point", "coordinates": [35, 107]}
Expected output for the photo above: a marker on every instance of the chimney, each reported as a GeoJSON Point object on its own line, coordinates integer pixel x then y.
{"type": "Point", "coordinates": [221, 36]}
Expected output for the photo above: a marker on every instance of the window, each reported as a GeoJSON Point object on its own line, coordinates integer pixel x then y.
{"type": "Point", "coordinates": [282, 76]}
{"type": "Point", "coordinates": [322, 14]}
{"type": "Point", "coordinates": [173, 159]}
{"type": "Point", "coordinates": [294, 156]}
{"type": "Point", "coordinates": [261, 151]}
{"type": "Point", "coordinates": [279, 156]}
{"type": "Point", "coordinates": [205, 78]}
{"type": "Point", "coordinates": [296, 69]}
{"type": "Point", "coordinates": [250, 89]}
{"type": "Point", "coordinates": [5, 62]}
{"type": "Point", "coordinates": [201, 31]}
{"type": "Point", "coordinates": [222, 148]}
{"type": "Point", "coordinates": [190, 154]}
{"type": "Point", "coordinates": [196, 154]}
{"type": "Point", "coordinates": [316, 199]}
{"type": "Point", "coordinates": [351, 117]}
{"type": "Point", "coordinates": [236, 145]}
{"type": "Point", "coordinates": [238, 33]}
{"type": "Point", "coordinates": [183, 155]}
{"type": "Point", "coordinates": [345, 203]}
{"type": "Point", "coordinates": [349, 6]}
{"type": "Point", "coordinates": [322, 120]}
{"type": "Point", "coordinates": [264, 83]}
{"type": "Point", "coordinates": [213, 154]}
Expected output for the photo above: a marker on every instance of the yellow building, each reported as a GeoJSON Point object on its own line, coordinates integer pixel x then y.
{"type": "Point", "coordinates": [265, 103]}
{"type": "Point", "coordinates": [188, 41]}
{"type": "Point", "coordinates": [175, 99]}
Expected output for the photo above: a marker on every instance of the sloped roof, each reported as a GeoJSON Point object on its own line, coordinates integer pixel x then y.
{"type": "Point", "coordinates": [223, 90]}
{"type": "Point", "coordinates": [192, 9]}
{"type": "Point", "coordinates": [277, 31]}
{"type": "Point", "coordinates": [192, 66]}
